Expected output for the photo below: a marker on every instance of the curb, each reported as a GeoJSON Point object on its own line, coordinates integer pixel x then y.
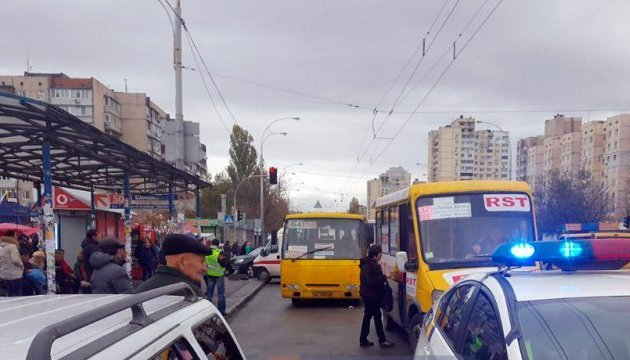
{"type": "Point", "coordinates": [242, 301]}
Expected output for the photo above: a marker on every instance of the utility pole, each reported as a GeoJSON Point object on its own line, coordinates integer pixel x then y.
{"type": "Point", "coordinates": [177, 61]}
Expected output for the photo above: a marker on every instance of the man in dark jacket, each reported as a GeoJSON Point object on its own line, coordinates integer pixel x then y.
{"type": "Point", "coordinates": [89, 245]}
{"type": "Point", "coordinates": [109, 275]}
{"type": "Point", "coordinates": [372, 286]}
{"type": "Point", "coordinates": [184, 263]}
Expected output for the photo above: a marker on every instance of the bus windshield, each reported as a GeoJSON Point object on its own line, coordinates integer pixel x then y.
{"type": "Point", "coordinates": [322, 239]}
{"type": "Point", "coordinates": [463, 230]}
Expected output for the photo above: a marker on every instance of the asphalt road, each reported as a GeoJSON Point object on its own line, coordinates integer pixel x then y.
{"type": "Point", "coordinates": [269, 327]}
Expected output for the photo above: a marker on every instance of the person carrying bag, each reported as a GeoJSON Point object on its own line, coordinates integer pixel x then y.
{"type": "Point", "coordinates": [373, 292]}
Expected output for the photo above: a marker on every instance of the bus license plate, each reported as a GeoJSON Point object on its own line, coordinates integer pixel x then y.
{"type": "Point", "coordinates": [322, 293]}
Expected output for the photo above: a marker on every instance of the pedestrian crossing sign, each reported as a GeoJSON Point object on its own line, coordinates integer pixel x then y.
{"type": "Point", "coordinates": [228, 219]}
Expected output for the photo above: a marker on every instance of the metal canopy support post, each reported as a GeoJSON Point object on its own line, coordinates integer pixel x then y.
{"type": "Point", "coordinates": [92, 210]}
{"type": "Point", "coordinates": [49, 218]}
{"type": "Point", "coordinates": [198, 208]}
{"type": "Point", "coordinates": [171, 209]}
{"type": "Point", "coordinates": [40, 216]}
{"type": "Point", "coordinates": [127, 222]}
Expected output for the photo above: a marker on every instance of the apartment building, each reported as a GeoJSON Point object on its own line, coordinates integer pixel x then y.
{"type": "Point", "coordinates": [374, 191]}
{"type": "Point", "coordinates": [460, 152]}
{"type": "Point", "coordinates": [601, 148]}
{"type": "Point", "coordinates": [571, 153]}
{"type": "Point", "coordinates": [394, 179]}
{"type": "Point", "coordinates": [617, 162]}
{"type": "Point", "coordinates": [18, 191]}
{"type": "Point", "coordinates": [593, 149]}
{"type": "Point", "coordinates": [86, 98]}
{"type": "Point", "coordinates": [530, 155]}
{"type": "Point", "coordinates": [142, 123]}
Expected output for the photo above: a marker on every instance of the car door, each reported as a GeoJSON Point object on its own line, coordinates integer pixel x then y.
{"type": "Point", "coordinates": [483, 336]}
{"type": "Point", "coordinates": [442, 336]}
{"type": "Point", "coordinates": [274, 261]}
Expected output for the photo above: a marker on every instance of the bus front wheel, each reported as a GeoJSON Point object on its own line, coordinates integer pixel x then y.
{"type": "Point", "coordinates": [296, 302]}
{"type": "Point", "coordinates": [415, 326]}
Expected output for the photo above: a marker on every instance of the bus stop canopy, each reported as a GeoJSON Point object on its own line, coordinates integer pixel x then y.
{"type": "Point", "coordinates": [82, 156]}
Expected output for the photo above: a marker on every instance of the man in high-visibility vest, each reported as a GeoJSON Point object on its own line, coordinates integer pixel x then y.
{"type": "Point", "coordinates": [216, 262]}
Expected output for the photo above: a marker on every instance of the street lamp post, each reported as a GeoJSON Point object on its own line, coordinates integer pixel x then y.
{"type": "Point", "coordinates": [509, 145]}
{"type": "Point", "coordinates": [238, 186]}
{"type": "Point", "coordinates": [262, 170]}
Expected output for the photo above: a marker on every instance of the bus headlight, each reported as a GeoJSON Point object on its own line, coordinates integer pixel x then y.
{"type": "Point", "coordinates": [348, 287]}
{"type": "Point", "coordinates": [355, 287]}
{"type": "Point", "coordinates": [352, 287]}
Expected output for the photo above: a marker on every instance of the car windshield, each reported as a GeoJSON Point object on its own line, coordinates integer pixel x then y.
{"type": "Point", "coordinates": [463, 230]}
{"type": "Point", "coordinates": [576, 329]}
{"type": "Point", "coordinates": [322, 239]}
{"type": "Point", "coordinates": [256, 251]}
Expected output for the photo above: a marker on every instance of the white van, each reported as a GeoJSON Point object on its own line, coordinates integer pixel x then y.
{"type": "Point", "coordinates": [267, 264]}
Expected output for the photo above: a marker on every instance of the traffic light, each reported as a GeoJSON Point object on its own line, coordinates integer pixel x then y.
{"type": "Point", "coordinates": [239, 215]}
{"type": "Point", "coordinates": [273, 175]}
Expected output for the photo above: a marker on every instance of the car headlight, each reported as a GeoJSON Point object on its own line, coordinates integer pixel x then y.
{"type": "Point", "coordinates": [435, 296]}
{"type": "Point", "coordinates": [240, 261]}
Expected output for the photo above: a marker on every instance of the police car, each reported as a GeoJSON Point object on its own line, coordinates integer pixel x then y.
{"type": "Point", "coordinates": [149, 325]}
{"type": "Point", "coordinates": [578, 309]}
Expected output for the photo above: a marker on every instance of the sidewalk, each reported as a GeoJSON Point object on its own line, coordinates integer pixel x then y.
{"type": "Point", "coordinates": [238, 293]}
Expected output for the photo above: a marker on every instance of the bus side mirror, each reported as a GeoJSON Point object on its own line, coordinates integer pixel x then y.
{"type": "Point", "coordinates": [401, 260]}
{"type": "Point", "coordinates": [411, 266]}
{"type": "Point", "coordinates": [264, 252]}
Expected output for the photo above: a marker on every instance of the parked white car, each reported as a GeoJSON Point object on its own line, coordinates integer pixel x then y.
{"type": "Point", "coordinates": [148, 325]}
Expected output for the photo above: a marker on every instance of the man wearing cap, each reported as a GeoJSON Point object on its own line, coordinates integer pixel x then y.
{"type": "Point", "coordinates": [109, 275]}
{"type": "Point", "coordinates": [184, 263]}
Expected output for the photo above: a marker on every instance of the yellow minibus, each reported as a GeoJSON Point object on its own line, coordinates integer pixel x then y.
{"type": "Point", "coordinates": [434, 234]}
{"type": "Point", "coordinates": [320, 256]}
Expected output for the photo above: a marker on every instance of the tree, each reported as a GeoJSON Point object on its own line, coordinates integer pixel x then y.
{"type": "Point", "coordinates": [242, 155]}
{"type": "Point", "coordinates": [354, 206]}
{"type": "Point", "coordinates": [570, 199]}
{"type": "Point", "coordinates": [211, 197]}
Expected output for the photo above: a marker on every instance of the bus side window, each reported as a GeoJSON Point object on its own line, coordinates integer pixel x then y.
{"type": "Point", "coordinates": [385, 231]}
{"type": "Point", "coordinates": [377, 228]}
{"type": "Point", "coordinates": [393, 230]}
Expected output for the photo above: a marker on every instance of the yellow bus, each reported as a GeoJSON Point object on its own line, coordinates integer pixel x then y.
{"type": "Point", "coordinates": [433, 234]}
{"type": "Point", "coordinates": [320, 256]}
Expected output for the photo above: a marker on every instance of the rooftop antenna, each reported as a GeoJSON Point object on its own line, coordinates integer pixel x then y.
{"type": "Point", "coordinates": [29, 68]}
{"type": "Point", "coordinates": [125, 86]}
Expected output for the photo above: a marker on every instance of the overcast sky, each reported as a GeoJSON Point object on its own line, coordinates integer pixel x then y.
{"type": "Point", "coordinates": [530, 60]}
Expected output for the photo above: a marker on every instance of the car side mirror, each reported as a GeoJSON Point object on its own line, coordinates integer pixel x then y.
{"type": "Point", "coordinates": [401, 259]}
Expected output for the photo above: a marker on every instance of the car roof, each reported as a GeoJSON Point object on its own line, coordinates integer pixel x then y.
{"type": "Point", "coordinates": [21, 318]}
{"type": "Point", "coordinates": [558, 284]}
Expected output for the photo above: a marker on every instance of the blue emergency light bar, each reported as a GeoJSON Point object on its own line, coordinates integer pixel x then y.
{"type": "Point", "coordinates": [587, 254]}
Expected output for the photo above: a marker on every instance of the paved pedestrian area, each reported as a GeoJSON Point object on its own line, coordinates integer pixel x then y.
{"type": "Point", "coordinates": [238, 292]}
